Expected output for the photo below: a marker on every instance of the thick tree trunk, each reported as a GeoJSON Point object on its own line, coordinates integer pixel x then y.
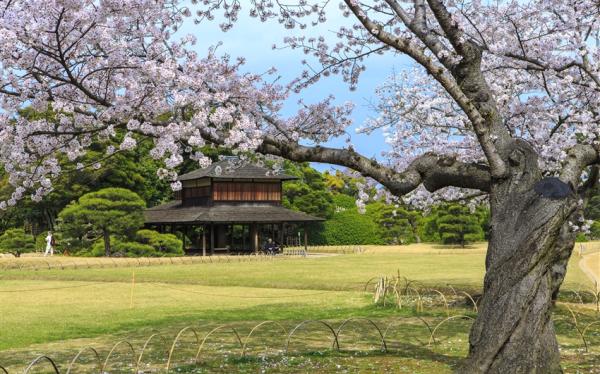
{"type": "Point", "coordinates": [526, 262]}
{"type": "Point", "coordinates": [106, 237]}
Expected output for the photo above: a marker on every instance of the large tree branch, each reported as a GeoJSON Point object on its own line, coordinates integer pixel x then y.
{"type": "Point", "coordinates": [578, 158]}
{"type": "Point", "coordinates": [498, 167]}
{"type": "Point", "coordinates": [418, 25]}
{"type": "Point", "coordinates": [433, 171]}
{"type": "Point", "coordinates": [452, 31]}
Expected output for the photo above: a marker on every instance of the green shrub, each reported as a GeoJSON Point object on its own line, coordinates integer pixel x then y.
{"type": "Point", "coordinates": [344, 202]}
{"type": "Point", "coordinates": [123, 249]}
{"type": "Point", "coordinates": [428, 231]}
{"type": "Point", "coordinates": [163, 244]}
{"type": "Point", "coordinates": [16, 242]}
{"type": "Point", "coordinates": [346, 228]}
{"type": "Point", "coordinates": [595, 230]}
{"type": "Point", "coordinates": [134, 249]}
{"type": "Point", "coordinates": [40, 242]}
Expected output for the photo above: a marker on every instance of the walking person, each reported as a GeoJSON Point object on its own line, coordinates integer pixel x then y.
{"type": "Point", "coordinates": [49, 244]}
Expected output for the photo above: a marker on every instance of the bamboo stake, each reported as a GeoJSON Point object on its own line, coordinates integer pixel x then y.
{"type": "Point", "coordinates": [132, 288]}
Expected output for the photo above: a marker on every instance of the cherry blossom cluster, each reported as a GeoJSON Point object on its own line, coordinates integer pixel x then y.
{"type": "Point", "coordinates": [290, 15]}
{"type": "Point", "coordinates": [541, 61]}
{"type": "Point", "coordinates": [112, 72]}
{"type": "Point", "coordinates": [115, 72]}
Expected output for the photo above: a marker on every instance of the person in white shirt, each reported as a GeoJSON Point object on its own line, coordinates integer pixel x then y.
{"type": "Point", "coordinates": [49, 244]}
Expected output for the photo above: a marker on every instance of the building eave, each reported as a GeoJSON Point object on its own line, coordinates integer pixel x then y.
{"type": "Point", "coordinates": [174, 213]}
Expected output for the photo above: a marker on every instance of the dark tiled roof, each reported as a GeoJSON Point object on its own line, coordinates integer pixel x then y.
{"type": "Point", "coordinates": [227, 169]}
{"type": "Point", "coordinates": [174, 212]}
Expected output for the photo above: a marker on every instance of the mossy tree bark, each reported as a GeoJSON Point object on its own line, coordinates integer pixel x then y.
{"type": "Point", "coordinates": [526, 262]}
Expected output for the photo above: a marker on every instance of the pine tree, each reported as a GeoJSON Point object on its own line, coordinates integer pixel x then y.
{"type": "Point", "coordinates": [457, 225]}
{"type": "Point", "coordinates": [16, 242]}
{"type": "Point", "coordinates": [110, 211]}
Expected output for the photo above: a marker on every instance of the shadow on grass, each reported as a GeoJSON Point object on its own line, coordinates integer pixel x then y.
{"type": "Point", "coordinates": [409, 357]}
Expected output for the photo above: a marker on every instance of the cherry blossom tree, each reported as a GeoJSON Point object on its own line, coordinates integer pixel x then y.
{"type": "Point", "coordinates": [501, 102]}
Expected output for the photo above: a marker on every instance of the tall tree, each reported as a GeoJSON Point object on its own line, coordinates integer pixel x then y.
{"type": "Point", "coordinates": [309, 193]}
{"type": "Point", "coordinates": [502, 99]}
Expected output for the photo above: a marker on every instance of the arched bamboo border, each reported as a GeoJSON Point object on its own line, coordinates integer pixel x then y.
{"type": "Point", "coordinates": [247, 338]}
{"type": "Point", "coordinates": [578, 294]}
{"type": "Point", "coordinates": [475, 309]}
{"type": "Point", "coordinates": [590, 325]}
{"type": "Point", "coordinates": [113, 349]}
{"type": "Point", "coordinates": [398, 323]}
{"type": "Point", "coordinates": [291, 334]}
{"type": "Point", "coordinates": [432, 337]}
{"type": "Point", "coordinates": [215, 330]}
{"type": "Point", "coordinates": [87, 348]}
{"type": "Point", "coordinates": [139, 360]}
{"type": "Point", "coordinates": [586, 328]}
{"type": "Point", "coordinates": [37, 360]}
{"type": "Point", "coordinates": [192, 329]}
{"type": "Point", "coordinates": [446, 306]}
{"type": "Point", "coordinates": [419, 305]}
{"type": "Point", "coordinates": [3, 370]}
{"type": "Point", "coordinates": [368, 282]}
{"type": "Point", "coordinates": [576, 326]}
{"type": "Point", "coordinates": [345, 322]}
{"type": "Point", "coordinates": [452, 288]}
{"type": "Point", "coordinates": [398, 298]}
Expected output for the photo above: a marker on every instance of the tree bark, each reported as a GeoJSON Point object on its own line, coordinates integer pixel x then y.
{"type": "Point", "coordinates": [529, 248]}
{"type": "Point", "coordinates": [106, 238]}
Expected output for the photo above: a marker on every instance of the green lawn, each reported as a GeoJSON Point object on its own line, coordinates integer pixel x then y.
{"type": "Point", "coordinates": [347, 272]}
{"type": "Point", "coordinates": [60, 310]}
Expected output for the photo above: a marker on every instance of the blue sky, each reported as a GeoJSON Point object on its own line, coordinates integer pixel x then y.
{"type": "Point", "coordinates": [253, 40]}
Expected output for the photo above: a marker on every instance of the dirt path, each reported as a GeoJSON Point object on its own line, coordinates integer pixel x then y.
{"type": "Point", "coordinates": [590, 264]}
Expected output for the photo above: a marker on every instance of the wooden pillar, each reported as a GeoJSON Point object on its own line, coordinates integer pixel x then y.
{"type": "Point", "coordinates": [281, 236]}
{"type": "Point", "coordinates": [254, 236]}
{"type": "Point", "coordinates": [305, 238]}
{"type": "Point", "coordinates": [212, 239]}
{"type": "Point", "coordinates": [203, 240]}
{"type": "Point", "coordinates": [184, 232]}
{"type": "Point", "coordinates": [231, 243]}
{"type": "Point", "coordinates": [244, 237]}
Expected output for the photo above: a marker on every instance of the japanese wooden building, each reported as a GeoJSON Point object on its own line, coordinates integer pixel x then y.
{"type": "Point", "coordinates": [226, 208]}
